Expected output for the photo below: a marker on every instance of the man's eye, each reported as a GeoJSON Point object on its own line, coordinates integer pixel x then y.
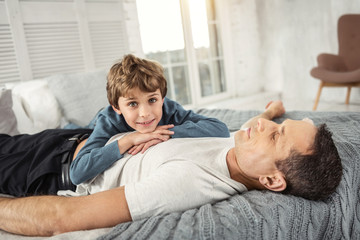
{"type": "Point", "coordinates": [132, 104]}
{"type": "Point", "coordinates": [152, 100]}
{"type": "Point", "coordinates": [274, 135]}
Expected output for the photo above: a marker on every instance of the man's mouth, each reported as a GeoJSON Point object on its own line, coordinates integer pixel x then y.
{"type": "Point", "coordinates": [248, 131]}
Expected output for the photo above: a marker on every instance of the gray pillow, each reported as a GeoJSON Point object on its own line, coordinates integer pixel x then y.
{"type": "Point", "coordinates": [8, 124]}
{"type": "Point", "coordinates": [80, 95]}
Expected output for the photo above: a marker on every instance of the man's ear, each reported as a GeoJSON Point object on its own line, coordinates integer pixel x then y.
{"type": "Point", "coordinates": [116, 110]}
{"type": "Point", "coordinates": [276, 182]}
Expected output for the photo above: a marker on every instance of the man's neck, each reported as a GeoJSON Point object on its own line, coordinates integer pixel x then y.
{"type": "Point", "coordinates": [238, 175]}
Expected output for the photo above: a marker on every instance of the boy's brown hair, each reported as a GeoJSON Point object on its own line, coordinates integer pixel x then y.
{"type": "Point", "coordinates": [133, 72]}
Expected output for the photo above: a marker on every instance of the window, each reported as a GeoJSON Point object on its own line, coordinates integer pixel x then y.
{"type": "Point", "coordinates": [184, 36]}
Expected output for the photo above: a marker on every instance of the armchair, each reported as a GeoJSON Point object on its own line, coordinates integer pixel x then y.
{"type": "Point", "coordinates": [343, 69]}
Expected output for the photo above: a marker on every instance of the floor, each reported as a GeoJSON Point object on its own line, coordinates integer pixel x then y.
{"type": "Point", "coordinates": [259, 101]}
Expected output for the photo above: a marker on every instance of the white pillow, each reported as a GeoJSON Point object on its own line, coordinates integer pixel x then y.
{"type": "Point", "coordinates": [35, 107]}
{"type": "Point", "coordinates": [80, 95]}
{"type": "Point", "coordinates": [7, 117]}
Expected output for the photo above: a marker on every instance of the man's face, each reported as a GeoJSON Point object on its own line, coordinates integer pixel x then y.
{"type": "Point", "coordinates": [142, 110]}
{"type": "Point", "coordinates": [259, 147]}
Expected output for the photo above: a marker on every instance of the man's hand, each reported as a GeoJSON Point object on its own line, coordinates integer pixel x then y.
{"type": "Point", "coordinates": [136, 142]}
{"type": "Point", "coordinates": [275, 109]}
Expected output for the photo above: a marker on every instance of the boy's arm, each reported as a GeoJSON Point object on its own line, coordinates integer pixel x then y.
{"type": "Point", "coordinates": [51, 215]}
{"type": "Point", "coordinates": [189, 124]}
{"type": "Point", "coordinates": [272, 110]}
{"type": "Point", "coordinates": [95, 157]}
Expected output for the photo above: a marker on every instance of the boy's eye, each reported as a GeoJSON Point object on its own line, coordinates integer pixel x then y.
{"type": "Point", "coordinates": [132, 104]}
{"type": "Point", "coordinates": [152, 100]}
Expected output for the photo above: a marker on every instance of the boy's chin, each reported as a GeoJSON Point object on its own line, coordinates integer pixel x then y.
{"type": "Point", "coordinates": [146, 130]}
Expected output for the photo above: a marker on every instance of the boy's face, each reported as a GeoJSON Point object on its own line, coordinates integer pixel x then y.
{"type": "Point", "coordinates": [259, 147]}
{"type": "Point", "coordinates": [142, 110]}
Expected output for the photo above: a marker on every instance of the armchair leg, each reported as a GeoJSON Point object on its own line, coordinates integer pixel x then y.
{"type": "Point", "coordinates": [318, 95]}
{"type": "Point", "coordinates": [348, 95]}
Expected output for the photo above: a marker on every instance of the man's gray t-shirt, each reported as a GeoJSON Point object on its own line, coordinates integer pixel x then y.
{"type": "Point", "coordinates": [175, 175]}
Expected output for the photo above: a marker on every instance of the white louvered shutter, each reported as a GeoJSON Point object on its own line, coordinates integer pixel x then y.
{"type": "Point", "coordinates": [39, 38]}
{"type": "Point", "coordinates": [108, 43]}
{"type": "Point", "coordinates": [54, 48]}
{"type": "Point", "coordinates": [9, 71]}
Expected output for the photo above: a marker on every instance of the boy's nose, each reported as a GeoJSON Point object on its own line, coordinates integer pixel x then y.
{"type": "Point", "coordinates": [144, 111]}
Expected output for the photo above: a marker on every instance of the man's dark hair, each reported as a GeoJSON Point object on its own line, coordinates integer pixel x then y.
{"type": "Point", "coordinates": [316, 175]}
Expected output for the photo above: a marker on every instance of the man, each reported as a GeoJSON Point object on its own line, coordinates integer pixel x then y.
{"type": "Point", "coordinates": [279, 157]}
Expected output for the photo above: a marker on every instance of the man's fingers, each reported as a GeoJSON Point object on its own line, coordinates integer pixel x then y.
{"type": "Point", "coordinates": [269, 103]}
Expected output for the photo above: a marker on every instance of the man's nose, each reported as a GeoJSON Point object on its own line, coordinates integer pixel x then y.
{"type": "Point", "coordinates": [264, 123]}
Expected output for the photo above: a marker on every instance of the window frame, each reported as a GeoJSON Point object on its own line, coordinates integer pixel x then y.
{"type": "Point", "coordinates": [223, 29]}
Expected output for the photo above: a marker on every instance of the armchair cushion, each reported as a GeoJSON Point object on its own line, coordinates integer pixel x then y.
{"type": "Point", "coordinates": [332, 76]}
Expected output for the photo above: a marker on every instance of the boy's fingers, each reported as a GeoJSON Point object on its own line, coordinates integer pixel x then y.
{"type": "Point", "coordinates": [165, 126]}
{"type": "Point", "coordinates": [136, 149]}
{"type": "Point", "coordinates": [162, 137]}
{"type": "Point", "coordinates": [165, 132]}
{"type": "Point", "coordinates": [151, 143]}
{"type": "Point", "coordinates": [131, 149]}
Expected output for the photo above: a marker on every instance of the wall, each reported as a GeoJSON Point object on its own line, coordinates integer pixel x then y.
{"type": "Point", "coordinates": [276, 44]}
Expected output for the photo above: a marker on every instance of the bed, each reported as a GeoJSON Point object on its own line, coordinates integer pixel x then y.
{"type": "Point", "coordinates": [260, 214]}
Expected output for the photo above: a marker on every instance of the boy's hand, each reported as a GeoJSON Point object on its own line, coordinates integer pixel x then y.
{"type": "Point", "coordinates": [143, 146]}
{"type": "Point", "coordinates": [137, 142]}
{"type": "Point", "coordinates": [275, 109]}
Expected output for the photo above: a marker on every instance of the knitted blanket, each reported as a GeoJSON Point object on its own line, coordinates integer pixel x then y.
{"type": "Point", "coordinates": [267, 215]}
{"type": "Point", "coordinates": [260, 214]}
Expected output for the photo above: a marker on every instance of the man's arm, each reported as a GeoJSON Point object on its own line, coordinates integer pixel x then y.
{"type": "Point", "coordinates": [51, 215]}
{"type": "Point", "coordinates": [273, 110]}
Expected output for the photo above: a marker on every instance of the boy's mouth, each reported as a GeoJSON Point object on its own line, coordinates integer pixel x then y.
{"type": "Point", "coordinates": [147, 123]}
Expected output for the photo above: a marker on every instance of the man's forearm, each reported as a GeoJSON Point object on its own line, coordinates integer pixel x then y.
{"type": "Point", "coordinates": [29, 216]}
{"type": "Point", "coordinates": [50, 215]}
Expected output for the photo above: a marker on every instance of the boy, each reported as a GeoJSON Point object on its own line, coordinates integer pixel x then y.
{"type": "Point", "coordinates": [136, 91]}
